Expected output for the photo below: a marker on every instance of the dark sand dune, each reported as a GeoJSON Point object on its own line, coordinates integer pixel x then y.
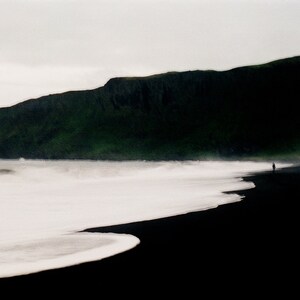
{"type": "Point", "coordinates": [240, 248]}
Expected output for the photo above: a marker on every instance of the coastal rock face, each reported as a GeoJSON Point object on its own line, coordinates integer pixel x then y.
{"type": "Point", "coordinates": [180, 115]}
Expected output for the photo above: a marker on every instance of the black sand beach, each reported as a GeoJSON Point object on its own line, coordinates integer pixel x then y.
{"type": "Point", "coordinates": [249, 245]}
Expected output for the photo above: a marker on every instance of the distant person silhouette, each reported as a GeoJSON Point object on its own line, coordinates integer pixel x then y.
{"type": "Point", "coordinates": [273, 167]}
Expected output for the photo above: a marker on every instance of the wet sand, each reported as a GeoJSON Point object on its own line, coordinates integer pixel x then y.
{"type": "Point", "coordinates": [248, 246]}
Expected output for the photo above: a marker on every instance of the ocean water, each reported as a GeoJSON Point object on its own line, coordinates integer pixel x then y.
{"type": "Point", "coordinates": [44, 205]}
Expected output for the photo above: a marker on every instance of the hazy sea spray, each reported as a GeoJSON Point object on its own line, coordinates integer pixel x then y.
{"type": "Point", "coordinates": [44, 202]}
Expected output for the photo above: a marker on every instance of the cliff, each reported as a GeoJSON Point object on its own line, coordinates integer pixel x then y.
{"type": "Point", "coordinates": [247, 111]}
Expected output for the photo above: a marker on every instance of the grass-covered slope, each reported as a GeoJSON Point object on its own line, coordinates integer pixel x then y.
{"type": "Point", "coordinates": [246, 111]}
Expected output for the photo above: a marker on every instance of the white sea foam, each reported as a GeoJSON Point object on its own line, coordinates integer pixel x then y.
{"type": "Point", "coordinates": [44, 203]}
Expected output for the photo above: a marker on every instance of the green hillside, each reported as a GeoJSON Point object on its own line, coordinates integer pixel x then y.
{"type": "Point", "coordinates": [247, 111]}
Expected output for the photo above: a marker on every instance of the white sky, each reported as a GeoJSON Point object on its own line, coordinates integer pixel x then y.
{"type": "Point", "coordinates": [49, 46]}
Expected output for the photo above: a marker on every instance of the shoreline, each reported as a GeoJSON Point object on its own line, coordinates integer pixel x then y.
{"type": "Point", "coordinates": [252, 238]}
{"type": "Point", "coordinates": [255, 158]}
